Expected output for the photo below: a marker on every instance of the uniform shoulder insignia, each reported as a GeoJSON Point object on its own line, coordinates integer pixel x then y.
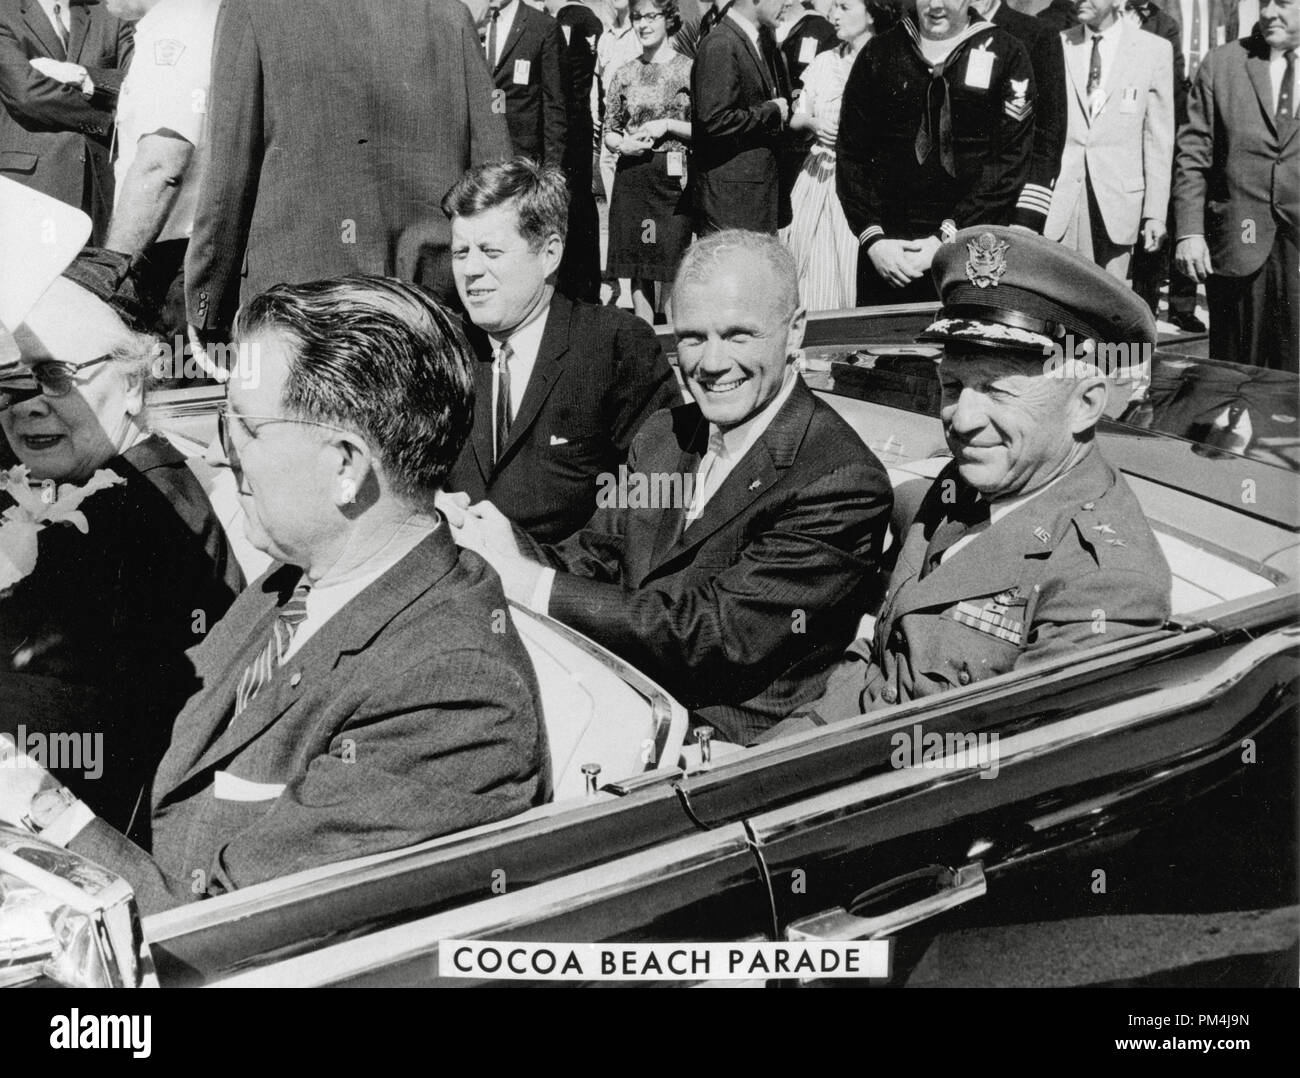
{"type": "Point", "coordinates": [167, 52]}
{"type": "Point", "coordinates": [1017, 106]}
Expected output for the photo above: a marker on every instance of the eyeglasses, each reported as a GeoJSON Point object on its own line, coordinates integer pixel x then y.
{"type": "Point", "coordinates": [648, 16]}
{"type": "Point", "coordinates": [50, 378]}
{"type": "Point", "coordinates": [224, 415]}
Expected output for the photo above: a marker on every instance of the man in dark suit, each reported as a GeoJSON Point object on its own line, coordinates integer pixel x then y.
{"type": "Point", "coordinates": [59, 85]}
{"type": "Point", "coordinates": [308, 175]}
{"type": "Point", "coordinates": [1237, 192]}
{"type": "Point", "coordinates": [733, 556]}
{"type": "Point", "coordinates": [579, 378]}
{"type": "Point", "coordinates": [1029, 545]}
{"type": "Point", "coordinates": [579, 275]}
{"type": "Point", "coordinates": [1048, 61]}
{"type": "Point", "coordinates": [526, 55]}
{"type": "Point", "coordinates": [740, 106]}
{"type": "Point", "coordinates": [369, 692]}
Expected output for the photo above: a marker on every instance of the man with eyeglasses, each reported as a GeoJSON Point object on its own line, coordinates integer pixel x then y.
{"type": "Point", "coordinates": [369, 691]}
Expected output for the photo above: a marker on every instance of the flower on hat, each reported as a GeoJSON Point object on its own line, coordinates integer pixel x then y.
{"type": "Point", "coordinates": [33, 510]}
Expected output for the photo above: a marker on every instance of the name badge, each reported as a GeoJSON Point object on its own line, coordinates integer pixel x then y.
{"type": "Point", "coordinates": [522, 68]}
{"type": "Point", "coordinates": [1128, 102]}
{"type": "Point", "coordinates": [807, 50]}
{"type": "Point", "coordinates": [979, 68]}
{"type": "Point", "coordinates": [676, 163]}
{"type": "Point", "coordinates": [1220, 34]}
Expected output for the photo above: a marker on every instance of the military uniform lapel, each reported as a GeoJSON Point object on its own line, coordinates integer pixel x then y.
{"type": "Point", "coordinates": [550, 362]}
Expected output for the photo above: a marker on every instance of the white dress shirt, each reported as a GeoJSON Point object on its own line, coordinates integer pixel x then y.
{"type": "Point", "coordinates": [64, 17]}
{"type": "Point", "coordinates": [710, 474]}
{"type": "Point", "coordinates": [504, 22]}
{"type": "Point", "coordinates": [525, 342]}
{"type": "Point", "coordinates": [328, 596]}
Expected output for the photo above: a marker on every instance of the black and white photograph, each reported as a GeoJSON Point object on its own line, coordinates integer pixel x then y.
{"type": "Point", "coordinates": [651, 493]}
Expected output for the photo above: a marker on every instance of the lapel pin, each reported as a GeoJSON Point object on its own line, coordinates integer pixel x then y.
{"type": "Point", "coordinates": [755, 484]}
{"type": "Point", "coordinates": [294, 680]}
{"type": "Point", "coordinates": [1105, 529]}
{"type": "Point", "coordinates": [1042, 534]}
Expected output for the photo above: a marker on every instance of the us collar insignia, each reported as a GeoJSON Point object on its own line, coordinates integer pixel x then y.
{"type": "Point", "coordinates": [987, 260]}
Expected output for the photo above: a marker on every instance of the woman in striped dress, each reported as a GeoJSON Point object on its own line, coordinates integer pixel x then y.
{"type": "Point", "coordinates": [825, 251]}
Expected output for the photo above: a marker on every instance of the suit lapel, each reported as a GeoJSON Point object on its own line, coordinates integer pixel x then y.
{"type": "Point", "coordinates": [516, 32]}
{"type": "Point", "coordinates": [44, 31]}
{"type": "Point", "coordinates": [1076, 54]}
{"type": "Point", "coordinates": [754, 473]}
{"type": "Point", "coordinates": [754, 55]}
{"type": "Point", "coordinates": [683, 458]}
{"type": "Point", "coordinates": [1257, 70]}
{"type": "Point", "coordinates": [550, 362]}
{"type": "Point", "coordinates": [80, 26]}
{"type": "Point", "coordinates": [348, 631]}
{"type": "Point", "coordinates": [480, 435]}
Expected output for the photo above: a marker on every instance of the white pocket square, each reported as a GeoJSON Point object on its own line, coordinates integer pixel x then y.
{"type": "Point", "coordinates": [559, 439]}
{"type": "Point", "coordinates": [230, 787]}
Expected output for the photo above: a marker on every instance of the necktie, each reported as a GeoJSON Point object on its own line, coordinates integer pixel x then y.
{"type": "Point", "coordinates": [936, 125]}
{"type": "Point", "coordinates": [59, 28]}
{"type": "Point", "coordinates": [494, 13]}
{"type": "Point", "coordinates": [1285, 104]}
{"type": "Point", "coordinates": [767, 46]}
{"type": "Point", "coordinates": [1194, 60]}
{"type": "Point", "coordinates": [503, 401]}
{"type": "Point", "coordinates": [705, 481]}
{"type": "Point", "coordinates": [258, 672]}
{"type": "Point", "coordinates": [966, 517]}
{"type": "Point", "coordinates": [1094, 66]}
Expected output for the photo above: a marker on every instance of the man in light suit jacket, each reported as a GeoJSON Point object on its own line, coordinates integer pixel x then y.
{"type": "Point", "coordinates": [366, 694]}
{"type": "Point", "coordinates": [308, 174]}
{"type": "Point", "coordinates": [581, 378]}
{"type": "Point", "coordinates": [1113, 188]}
{"type": "Point", "coordinates": [733, 558]}
{"type": "Point", "coordinates": [526, 55]}
{"type": "Point", "coordinates": [738, 114]}
{"type": "Point", "coordinates": [59, 88]}
{"type": "Point", "coordinates": [1237, 192]}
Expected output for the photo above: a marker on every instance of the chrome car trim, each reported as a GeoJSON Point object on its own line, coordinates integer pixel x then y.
{"type": "Point", "coordinates": [825, 808]}
{"type": "Point", "coordinates": [494, 917]}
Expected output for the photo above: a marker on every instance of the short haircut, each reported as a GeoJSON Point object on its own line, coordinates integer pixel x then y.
{"type": "Point", "coordinates": [884, 14]}
{"type": "Point", "coordinates": [380, 357]}
{"type": "Point", "coordinates": [538, 193]}
{"type": "Point", "coordinates": [672, 16]}
{"type": "Point", "coordinates": [702, 258]}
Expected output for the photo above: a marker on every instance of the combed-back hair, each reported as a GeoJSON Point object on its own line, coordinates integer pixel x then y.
{"type": "Point", "coordinates": [379, 357]}
{"type": "Point", "coordinates": [700, 263]}
{"type": "Point", "coordinates": [539, 194]}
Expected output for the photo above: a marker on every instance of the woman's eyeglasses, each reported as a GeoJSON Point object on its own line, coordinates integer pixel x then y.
{"type": "Point", "coordinates": [648, 16]}
{"type": "Point", "coordinates": [50, 378]}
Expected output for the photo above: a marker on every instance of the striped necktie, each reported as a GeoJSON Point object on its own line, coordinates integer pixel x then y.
{"type": "Point", "coordinates": [503, 409]}
{"type": "Point", "coordinates": [494, 14]}
{"type": "Point", "coordinates": [1285, 105]}
{"type": "Point", "coordinates": [272, 656]}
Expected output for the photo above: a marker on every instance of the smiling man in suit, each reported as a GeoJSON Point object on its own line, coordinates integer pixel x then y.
{"type": "Point", "coordinates": [740, 107]}
{"type": "Point", "coordinates": [526, 56]}
{"type": "Point", "coordinates": [561, 387]}
{"type": "Point", "coordinates": [369, 691]}
{"type": "Point", "coordinates": [732, 562]}
{"type": "Point", "coordinates": [61, 66]}
{"type": "Point", "coordinates": [1113, 188]}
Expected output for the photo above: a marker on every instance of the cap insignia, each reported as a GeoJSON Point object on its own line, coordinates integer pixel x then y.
{"type": "Point", "coordinates": [987, 260]}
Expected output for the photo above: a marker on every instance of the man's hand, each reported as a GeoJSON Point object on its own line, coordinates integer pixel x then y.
{"type": "Point", "coordinates": [1153, 234]}
{"type": "Point", "coordinates": [20, 781]}
{"type": "Point", "coordinates": [1192, 256]}
{"type": "Point", "coordinates": [62, 71]}
{"type": "Point", "coordinates": [926, 248]}
{"type": "Point", "coordinates": [783, 106]}
{"type": "Point", "coordinates": [486, 532]}
{"type": "Point", "coordinates": [895, 260]}
{"type": "Point", "coordinates": [454, 505]}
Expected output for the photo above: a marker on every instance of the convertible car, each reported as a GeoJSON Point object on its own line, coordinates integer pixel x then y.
{"type": "Point", "coordinates": [1139, 826]}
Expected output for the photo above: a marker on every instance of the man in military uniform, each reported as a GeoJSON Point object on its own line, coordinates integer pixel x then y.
{"type": "Point", "coordinates": [1029, 545]}
{"type": "Point", "coordinates": [936, 134]}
